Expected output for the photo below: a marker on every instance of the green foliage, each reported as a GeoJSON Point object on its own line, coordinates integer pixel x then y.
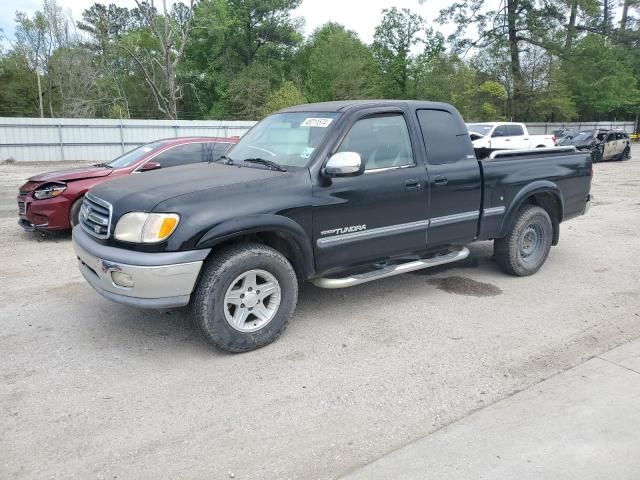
{"type": "Point", "coordinates": [336, 65]}
{"type": "Point", "coordinates": [529, 60]}
{"type": "Point", "coordinates": [19, 94]}
{"type": "Point", "coordinates": [602, 79]}
{"type": "Point", "coordinates": [287, 95]}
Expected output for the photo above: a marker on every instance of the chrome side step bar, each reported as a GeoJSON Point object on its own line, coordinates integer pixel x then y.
{"type": "Point", "coordinates": [392, 270]}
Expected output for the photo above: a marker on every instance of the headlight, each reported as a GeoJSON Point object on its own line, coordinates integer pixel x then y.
{"type": "Point", "coordinates": [139, 227]}
{"type": "Point", "coordinates": [49, 190]}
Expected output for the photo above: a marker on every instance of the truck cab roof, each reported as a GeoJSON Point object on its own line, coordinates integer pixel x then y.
{"type": "Point", "coordinates": [347, 105]}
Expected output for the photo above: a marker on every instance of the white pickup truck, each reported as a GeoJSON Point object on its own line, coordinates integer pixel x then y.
{"type": "Point", "coordinates": [490, 136]}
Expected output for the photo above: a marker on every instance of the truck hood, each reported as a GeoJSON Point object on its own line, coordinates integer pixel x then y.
{"type": "Point", "coordinates": [143, 191]}
{"type": "Point", "coordinates": [67, 174]}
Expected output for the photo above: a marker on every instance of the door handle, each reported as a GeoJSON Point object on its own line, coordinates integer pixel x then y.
{"type": "Point", "coordinates": [412, 184]}
{"type": "Point", "coordinates": [440, 180]}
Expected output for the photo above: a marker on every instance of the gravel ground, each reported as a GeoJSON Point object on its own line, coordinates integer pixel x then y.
{"type": "Point", "coordinates": [93, 389]}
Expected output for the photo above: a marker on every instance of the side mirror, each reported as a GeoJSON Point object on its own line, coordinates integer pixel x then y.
{"type": "Point", "coordinates": [150, 166]}
{"type": "Point", "coordinates": [344, 164]}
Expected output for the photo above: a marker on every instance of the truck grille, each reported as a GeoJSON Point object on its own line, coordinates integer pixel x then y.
{"type": "Point", "coordinates": [95, 216]}
{"type": "Point", "coordinates": [22, 208]}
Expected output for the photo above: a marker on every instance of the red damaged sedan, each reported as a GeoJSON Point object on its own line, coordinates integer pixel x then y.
{"type": "Point", "coordinates": [51, 201]}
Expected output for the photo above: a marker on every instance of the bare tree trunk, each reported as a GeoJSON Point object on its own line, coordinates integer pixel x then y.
{"type": "Point", "coordinates": [571, 27]}
{"type": "Point", "coordinates": [605, 15]}
{"type": "Point", "coordinates": [40, 94]}
{"type": "Point", "coordinates": [625, 13]}
{"type": "Point", "coordinates": [516, 71]}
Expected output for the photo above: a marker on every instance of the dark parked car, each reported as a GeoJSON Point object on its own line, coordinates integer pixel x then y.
{"type": "Point", "coordinates": [564, 134]}
{"type": "Point", "coordinates": [51, 201]}
{"type": "Point", "coordinates": [337, 193]}
{"type": "Point", "coordinates": [602, 144]}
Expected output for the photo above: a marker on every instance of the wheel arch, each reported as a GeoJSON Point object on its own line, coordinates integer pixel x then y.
{"type": "Point", "coordinates": [280, 233]}
{"type": "Point", "coordinates": [544, 194]}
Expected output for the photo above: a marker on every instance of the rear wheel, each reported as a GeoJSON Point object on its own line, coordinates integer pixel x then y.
{"type": "Point", "coordinates": [626, 154]}
{"type": "Point", "coordinates": [74, 212]}
{"type": "Point", "coordinates": [526, 247]}
{"type": "Point", "coordinates": [245, 297]}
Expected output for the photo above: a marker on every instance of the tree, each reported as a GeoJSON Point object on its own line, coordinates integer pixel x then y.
{"type": "Point", "coordinates": [158, 49]}
{"type": "Point", "coordinates": [19, 93]}
{"type": "Point", "coordinates": [287, 95]}
{"type": "Point", "coordinates": [31, 44]}
{"type": "Point", "coordinates": [336, 65]}
{"type": "Point", "coordinates": [395, 37]}
{"type": "Point", "coordinates": [513, 23]}
{"type": "Point", "coordinates": [231, 36]}
{"type": "Point", "coordinates": [608, 87]}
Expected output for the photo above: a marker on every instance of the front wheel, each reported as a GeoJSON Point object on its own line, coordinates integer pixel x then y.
{"type": "Point", "coordinates": [626, 155]}
{"type": "Point", "coordinates": [74, 212]}
{"type": "Point", "coordinates": [245, 297]}
{"type": "Point", "coordinates": [526, 247]}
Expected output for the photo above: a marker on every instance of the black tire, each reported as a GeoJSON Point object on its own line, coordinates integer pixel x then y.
{"type": "Point", "coordinates": [218, 275]}
{"type": "Point", "coordinates": [626, 154]}
{"type": "Point", "coordinates": [74, 212]}
{"type": "Point", "coordinates": [597, 155]}
{"type": "Point", "coordinates": [526, 247]}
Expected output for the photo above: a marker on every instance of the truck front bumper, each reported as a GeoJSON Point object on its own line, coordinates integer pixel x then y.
{"type": "Point", "coordinates": [139, 279]}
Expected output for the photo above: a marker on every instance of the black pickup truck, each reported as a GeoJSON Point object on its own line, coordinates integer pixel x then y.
{"type": "Point", "coordinates": [337, 193]}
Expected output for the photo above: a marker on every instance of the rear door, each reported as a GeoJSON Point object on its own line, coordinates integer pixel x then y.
{"type": "Point", "coordinates": [517, 136]}
{"type": "Point", "coordinates": [610, 147]}
{"type": "Point", "coordinates": [621, 144]}
{"type": "Point", "coordinates": [455, 184]}
{"type": "Point", "coordinates": [381, 213]}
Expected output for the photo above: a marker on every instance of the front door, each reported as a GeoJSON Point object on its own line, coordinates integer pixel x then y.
{"type": "Point", "coordinates": [376, 215]}
{"type": "Point", "coordinates": [455, 183]}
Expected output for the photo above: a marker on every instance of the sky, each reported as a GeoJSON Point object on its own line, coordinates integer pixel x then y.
{"type": "Point", "coordinates": [361, 16]}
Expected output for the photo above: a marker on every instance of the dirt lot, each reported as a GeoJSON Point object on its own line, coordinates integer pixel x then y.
{"type": "Point", "coordinates": [92, 389]}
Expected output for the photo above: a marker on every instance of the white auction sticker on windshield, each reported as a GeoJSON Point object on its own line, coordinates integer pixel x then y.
{"type": "Point", "coordinates": [316, 122]}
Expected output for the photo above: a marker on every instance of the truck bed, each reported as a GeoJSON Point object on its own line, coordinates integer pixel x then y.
{"type": "Point", "coordinates": [509, 177]}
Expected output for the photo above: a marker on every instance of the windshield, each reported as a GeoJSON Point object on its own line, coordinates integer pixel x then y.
{"type": "Point", "coordinates": [583, 137]}
{"type": "Point", "coordinates": [480, 128]}
{"type": "Point", "coordinates": [134, 155]}
{"type": "Point", "coordinates": [287, 139]}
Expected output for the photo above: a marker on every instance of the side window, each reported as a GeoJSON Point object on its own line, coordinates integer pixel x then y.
{"type": "Point", "coordinates": [515, 130]}
{"type": "Point", "coordinates": [445, 137]}
{"type": "Point", "coordinates": [500, 131]}
{"type": "Point", "coordinates": [619, 136]}
{"type": "Point", "coordinates": [181, 155]}
{"type": "Point", "coordinates": [382, 142]}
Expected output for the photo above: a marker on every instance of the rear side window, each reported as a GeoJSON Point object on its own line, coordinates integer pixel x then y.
{"type": "Point", "coordinates": [445, 138]}
{"type": "Point", "coordinates": [515, 131]}
{"type": "Point", "coordinates": [619, 136]}
{"type": "Point", "coordinates": [182, 155]}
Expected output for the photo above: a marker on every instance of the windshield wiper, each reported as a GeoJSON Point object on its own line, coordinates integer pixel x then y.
{"type": "Point", "coordinates": [268, 163]}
